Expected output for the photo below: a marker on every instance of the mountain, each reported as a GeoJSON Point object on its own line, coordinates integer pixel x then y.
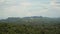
{"type": "Point", "coordinates": [31, 20]}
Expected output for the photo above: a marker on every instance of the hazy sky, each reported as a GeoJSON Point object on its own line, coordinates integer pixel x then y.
{"type": "Point", "coordinates": [22, 8]}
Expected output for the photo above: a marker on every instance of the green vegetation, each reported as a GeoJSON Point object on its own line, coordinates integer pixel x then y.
{"type": "Point", "coordinates": [30, 26]}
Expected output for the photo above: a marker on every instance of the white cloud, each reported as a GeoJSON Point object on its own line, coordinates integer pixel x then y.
{"type": "Point", "coordinates": [29, 14]}
{"type": "Point", "coordinates": [22, 8]}
{"type": "Point", "coordinates": [2, 1]}
{"type": "Point", "coordinates": [25, 4]}
{"type": "Point", "coordinates": [23, 0]}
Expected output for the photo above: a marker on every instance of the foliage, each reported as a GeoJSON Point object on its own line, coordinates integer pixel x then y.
{"type": "Point", "coordinates": [30, 26]}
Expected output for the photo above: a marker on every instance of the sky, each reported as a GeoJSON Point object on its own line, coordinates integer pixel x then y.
{"type": "Point", "coordinates": [23, 8]}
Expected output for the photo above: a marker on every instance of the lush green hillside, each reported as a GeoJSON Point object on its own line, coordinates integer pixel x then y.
{"type": "Point", "coordinates": [30, 25]}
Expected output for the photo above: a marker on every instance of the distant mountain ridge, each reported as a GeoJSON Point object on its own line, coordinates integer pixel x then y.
{"type": "Point", "coordinates": [34, 19]}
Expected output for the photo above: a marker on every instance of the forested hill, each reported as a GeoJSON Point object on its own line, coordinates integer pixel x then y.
{"type": "Point", "coordinates": [30, 25]}
{"type": "Point", "coordinates": [33, 19]}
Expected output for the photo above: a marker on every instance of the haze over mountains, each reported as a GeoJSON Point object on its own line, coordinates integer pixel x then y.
{"type": "Point", "coordinates": [33, 20]}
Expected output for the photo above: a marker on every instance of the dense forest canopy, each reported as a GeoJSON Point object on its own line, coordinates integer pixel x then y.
{"type": "Point", "coordinates": [30, 25]}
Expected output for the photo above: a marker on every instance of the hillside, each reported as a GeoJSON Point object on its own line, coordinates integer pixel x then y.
{"type": "Point", "coordinates": [30, 25]}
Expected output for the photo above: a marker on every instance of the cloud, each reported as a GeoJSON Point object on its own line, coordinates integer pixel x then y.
{"type": "Point", "coordinates": [21, 8]}
{"type": "Point", "coordinates": [25, 4]}
{"type": "Point", "coordinates": [18, 10]}
{"type": "Point", "coordinates": [2, 1]}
